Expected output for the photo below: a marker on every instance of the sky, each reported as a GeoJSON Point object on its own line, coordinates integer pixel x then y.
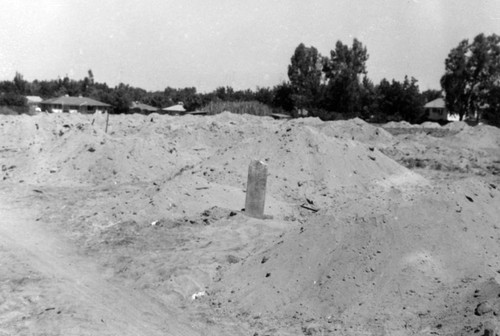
{"type": "Point", "coordinates": [247, 44]}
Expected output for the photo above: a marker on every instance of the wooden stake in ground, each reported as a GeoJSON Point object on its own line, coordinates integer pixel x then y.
{"type": "Point", "coordinates": [256, 189]}
{"type": "Point", "coordinates": [107, 120]}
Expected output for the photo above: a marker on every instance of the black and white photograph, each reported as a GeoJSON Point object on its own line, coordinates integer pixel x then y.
{"type": "Point", "coordinates": [249, 168]}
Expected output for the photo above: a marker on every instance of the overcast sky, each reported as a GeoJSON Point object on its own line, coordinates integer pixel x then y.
{"type": "Point", "coordinates": [243, 44]}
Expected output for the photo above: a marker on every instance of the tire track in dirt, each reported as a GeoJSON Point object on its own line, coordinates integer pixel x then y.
{"type": "Point", "coordinates": [79, 285]}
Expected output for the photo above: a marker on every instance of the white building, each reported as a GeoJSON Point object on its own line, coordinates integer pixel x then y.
{"type": "Point", "coordinates": [436, 111]}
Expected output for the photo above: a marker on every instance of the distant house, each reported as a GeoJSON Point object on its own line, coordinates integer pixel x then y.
{"type": "Point", "coordinates": [436, 111]}
{"type": "Point", "coordinates": [33, 100]}
{"type": "Point", "coordinates": [175, 109]}
{"type": "Point", "coordinates": [138, 107]}
{"type": "Point", "coordinates": [74, 104]}
{"type": "Point", "coordinates": [34, 103]}
{"type": "Point", "coordinates": [281, 116]}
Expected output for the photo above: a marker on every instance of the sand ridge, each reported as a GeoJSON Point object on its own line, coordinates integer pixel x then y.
{"type": "Point", "coordinates": [399, 229]}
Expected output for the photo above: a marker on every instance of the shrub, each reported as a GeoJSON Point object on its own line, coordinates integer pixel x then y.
{"type": "Point", "coordinates": [12, 99]}
{"type": "Point", "coordinates": [7, 111]}
{"type": "Point", "coordinates": [14, 110]}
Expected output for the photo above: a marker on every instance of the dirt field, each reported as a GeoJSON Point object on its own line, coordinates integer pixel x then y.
{"type": "Point", "coordinates": [142, 231]}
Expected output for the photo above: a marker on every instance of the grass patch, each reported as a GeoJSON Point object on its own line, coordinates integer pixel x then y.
{"type": "Point", "coordinates": [244, 107]}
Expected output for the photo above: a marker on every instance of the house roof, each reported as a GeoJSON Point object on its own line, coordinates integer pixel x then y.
{"type": "Point", "coordinates": [34, 99]}
{"type": "Point", "coordinates": [175, 108]}
{"type": "Point", "coordinates": [79, 101]}
{"type": "Point", "coordinates": [436, 103]}
{"type": "Point", "coordinates": [142, 107]}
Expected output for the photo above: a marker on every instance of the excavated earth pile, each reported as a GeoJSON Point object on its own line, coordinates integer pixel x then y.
{"type": "Point", "coordinates": [449, 152]}
{"type": "Point", "coordinates": [390, 230]}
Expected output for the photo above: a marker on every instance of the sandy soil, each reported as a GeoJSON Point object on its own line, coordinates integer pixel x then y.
{"type": "Point", "coordinates": [141, 231]}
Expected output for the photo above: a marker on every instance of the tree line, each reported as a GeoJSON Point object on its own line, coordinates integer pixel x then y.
{"type": "Point", "coordinates": [337, 86]}
{"type": "Point", "coordinates": [13, 93]}
{"type": "Point", "coordinates": [330, 87]}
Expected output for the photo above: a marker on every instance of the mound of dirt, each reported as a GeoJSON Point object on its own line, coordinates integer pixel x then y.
{"type": "Point", "coordinates": [480, 136]}
{"type": "Point", "coordinates": [399, 124]}
{"type": "Point", "coordinates": [356, 129]}
{"type": "Point", "coordinates": [303, 164]}
{"type": "Point", "coordinates": [354, 242]}
{"type": "Point", "coordinates": [200, 152]}
{"type": "Point", "coordinates": [456, 126]}
{"type": "Point", "coordinates": [430, 124]}
{"type": "Point", "coordinates": [381, 274]}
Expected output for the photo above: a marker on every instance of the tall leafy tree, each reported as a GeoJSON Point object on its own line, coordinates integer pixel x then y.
{"type": "Point", "coordinates": [87, 84]}
{"type": "Point", "coordinates": [472, 70]}
{"type": "Point", "coordinates": [20, 84]}
{"type": "Point", "coordinates": [430, 95]}
{"type": "Point", "coordinates": [283, 94]}
{"type": "Point", "coordinates": [12, 93]}
{"type": "Point", "coordinates": [225, 93]}
{"type": "Point", "coordinates": [264, 95]}
{"type": "Point", "coordinates": [400, 101]}
{"type": "Point", "coordinates": [412, 103]}
{"type": "Point", "coordinates": [343, 71]}
{"type": "Point", "coordinates": [305, 74]}
{"type": "Point", "coordinates": [492, 110]}
{"type": "Point", "coordinates": [120, 98]}
{"type": "Point", "coordinates": [368, 100]}
{"type": "Point", "coordinates": [12, 99]}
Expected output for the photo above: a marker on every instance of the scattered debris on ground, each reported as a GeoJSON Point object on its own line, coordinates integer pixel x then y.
{"type": "Point", "coordinates": [389, 229]}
